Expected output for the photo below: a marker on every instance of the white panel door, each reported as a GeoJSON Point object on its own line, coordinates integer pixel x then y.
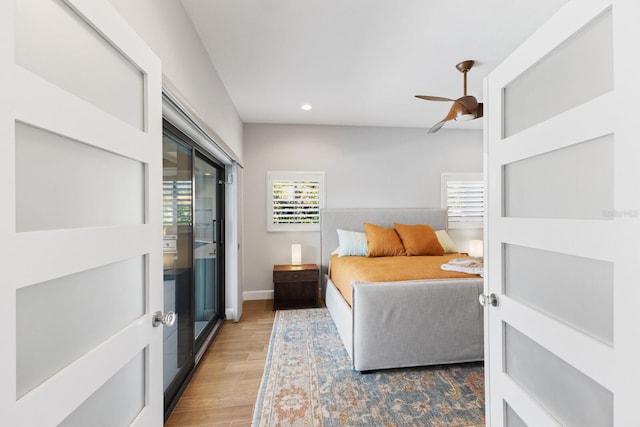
{"type": "Point", "coordinates": [81, 224]}
{"type": "Point", "coordinates": [563, 222]}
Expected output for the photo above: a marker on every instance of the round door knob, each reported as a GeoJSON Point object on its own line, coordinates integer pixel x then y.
{"type": "Point", "coordinates": [167, 319]}
{"type": "Point", "coordinates": [486, 300]}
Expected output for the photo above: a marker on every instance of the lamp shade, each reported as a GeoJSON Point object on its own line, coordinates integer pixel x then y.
{"type": "Point", "coordinates": [296, 254]}
{"type": "Point", "coordinates": [476, 248]}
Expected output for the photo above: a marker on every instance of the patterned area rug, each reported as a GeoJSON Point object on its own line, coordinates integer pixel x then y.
{"type": "Point", "coordinates": [308, 381]}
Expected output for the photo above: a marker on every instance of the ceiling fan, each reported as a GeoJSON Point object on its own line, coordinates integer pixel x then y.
{"type": "Point", "coordinates": [466, 107]}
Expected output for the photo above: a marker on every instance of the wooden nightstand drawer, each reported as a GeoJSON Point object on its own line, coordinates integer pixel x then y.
{"type": "Point", "coordinates": [295, 276]}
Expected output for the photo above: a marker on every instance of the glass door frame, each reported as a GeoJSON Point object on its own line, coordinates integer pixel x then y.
{"type": "Point", "coordinates": [198, 346]}
{"type": "Point", "coordinates": [178, 383]}
{"type": "Point", "coordinates": [213, 324]}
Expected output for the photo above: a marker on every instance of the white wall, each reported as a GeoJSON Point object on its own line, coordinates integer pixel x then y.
{"type": "Point", "coordinates": [166, 28]}
{"type": "Point", "coordinates": [365, 167]}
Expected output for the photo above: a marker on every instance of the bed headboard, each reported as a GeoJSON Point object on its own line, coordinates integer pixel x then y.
{"type": "Point", "coordinates": [352, 220]}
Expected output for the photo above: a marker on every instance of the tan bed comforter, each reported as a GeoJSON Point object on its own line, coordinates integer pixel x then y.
{"type": "Point", "coordinates": [344, 270]}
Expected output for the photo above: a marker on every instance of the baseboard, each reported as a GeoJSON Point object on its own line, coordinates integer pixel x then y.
{"type": "Point", "coordinates": [256, 295]}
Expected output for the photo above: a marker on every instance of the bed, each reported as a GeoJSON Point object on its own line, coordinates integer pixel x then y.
{"type": "Point", "coordinates": [406, 323]}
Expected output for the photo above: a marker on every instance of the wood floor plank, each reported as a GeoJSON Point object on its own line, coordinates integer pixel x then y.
{"type": "Point", "coordinates": [225, 385]}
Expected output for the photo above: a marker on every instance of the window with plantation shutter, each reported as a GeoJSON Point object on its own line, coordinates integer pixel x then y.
{"type": "Point", "coordinates": [176, 200]}
{"type": "Point", "coordinates": [294, 200]}
{"type": "Point", "coordinates": [463, 196]}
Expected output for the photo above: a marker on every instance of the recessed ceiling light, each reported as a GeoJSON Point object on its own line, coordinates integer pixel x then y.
{"type": "Point", "coordinates": [306, 107]}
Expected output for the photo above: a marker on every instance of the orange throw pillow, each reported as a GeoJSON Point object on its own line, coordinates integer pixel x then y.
{"type": "Point", "coordinates": [419, 239]}
{"type": "Point", "coordinates": [382, 241]}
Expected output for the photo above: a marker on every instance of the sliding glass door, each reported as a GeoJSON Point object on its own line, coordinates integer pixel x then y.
{"type": "Point", "coordinates": [178, 261]}
{"type": "Point", "coordinates": [207, 251]}
{"type": "Point", "coordinates": [193, 211]}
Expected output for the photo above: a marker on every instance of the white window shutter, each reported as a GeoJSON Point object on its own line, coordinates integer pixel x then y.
{"type": "Point", "coordinates": [294, 200]}
{"type": "Point", "coordinates": [463, 196]}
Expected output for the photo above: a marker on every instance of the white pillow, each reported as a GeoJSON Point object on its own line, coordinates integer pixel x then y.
{"type": "Point", "coordinates": [446, 242]}
{"type": "Point", "coordinates": [352, 243]}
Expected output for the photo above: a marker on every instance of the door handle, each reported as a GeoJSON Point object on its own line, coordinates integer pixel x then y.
{"type": "Point", "coordinates": [164, 319]}
{"type": "Point", "coordinates": [485, 300]}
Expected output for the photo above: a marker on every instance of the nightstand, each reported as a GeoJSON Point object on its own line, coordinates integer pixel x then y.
{"type": "Point", "coordinates": [295, 286]}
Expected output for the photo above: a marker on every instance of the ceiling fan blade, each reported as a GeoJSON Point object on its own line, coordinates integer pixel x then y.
{"type": "Point", "coordinates": [435, 128]}
{"type": "Point", "coordinates": [434, 98]}
{"type": "Point", "coordinates": [480, 110]}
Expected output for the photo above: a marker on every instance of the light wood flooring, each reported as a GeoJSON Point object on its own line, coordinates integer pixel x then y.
{"type": "Point", "coordinates": [225, 385]}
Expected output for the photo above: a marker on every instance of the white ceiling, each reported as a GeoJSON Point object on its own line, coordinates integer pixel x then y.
{"type": "Point", "coordinates": [358, 62]}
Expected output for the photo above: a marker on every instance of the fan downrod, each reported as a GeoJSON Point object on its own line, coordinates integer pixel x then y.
{"type": "Point", "coordinates": [463, 67]}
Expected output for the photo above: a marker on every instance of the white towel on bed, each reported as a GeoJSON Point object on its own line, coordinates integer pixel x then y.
{"type": "Point", "coordinates": [465, 265]}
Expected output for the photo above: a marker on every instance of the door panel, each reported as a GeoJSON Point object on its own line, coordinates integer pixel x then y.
{"type": "Point", "coordinates": [81, 228]}
{"type": "Point", "coordinates": [589, 312]}
{"type": "Point", "coordinates": [177, 262]}
{"type": "Point", "coordinates": [556, 193]}
{"type": "Point", "coordinates": [78, 59]}
{"type": "Point", "coordinates": [556, 82]}
{"type": "Point", "coordinates": [117, 402]}
{"type": "Point", "coordinates": [206, 233]}
{"type": "Point", "coordinates": [117, 288]}
{"type": "Point", "coordinates": [47, 165]}
{"type": "Point", "coordinates": [567, 394]}
{"type": "Point", "coordinates": [551, 259]}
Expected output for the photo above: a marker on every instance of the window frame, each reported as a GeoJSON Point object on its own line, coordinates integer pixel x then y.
{"type": "Point", "coordinates": [462, 176]}
{"type": "Point", "coordinates": [318, 176]}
